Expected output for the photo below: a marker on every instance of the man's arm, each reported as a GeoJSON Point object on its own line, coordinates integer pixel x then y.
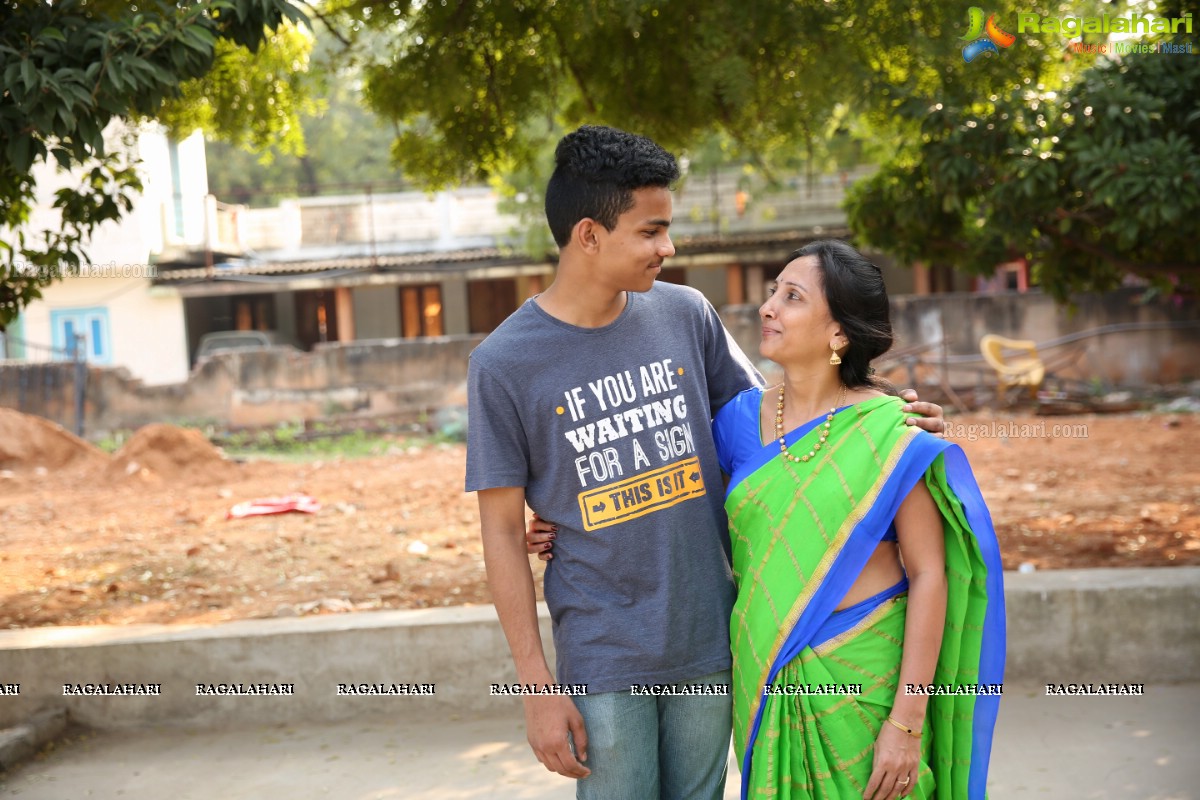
{"type": "Point", "coordinates": [548, 718]}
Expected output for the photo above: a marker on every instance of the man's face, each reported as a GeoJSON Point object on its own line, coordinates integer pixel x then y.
{"type": "Point", "coordinates": [632, 253]}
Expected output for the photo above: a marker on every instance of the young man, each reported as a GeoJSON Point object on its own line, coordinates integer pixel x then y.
{"type": "Point", "coordinates": [592, 403]}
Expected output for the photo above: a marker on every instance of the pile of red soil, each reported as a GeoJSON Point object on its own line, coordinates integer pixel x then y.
{"type": "Point", "coordinates": [171, 454]}
{"type": "Point", "coordinates": [28, 442]}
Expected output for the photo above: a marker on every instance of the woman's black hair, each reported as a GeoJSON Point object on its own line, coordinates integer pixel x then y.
{"type": "Point", "coordinates": [858, 301]}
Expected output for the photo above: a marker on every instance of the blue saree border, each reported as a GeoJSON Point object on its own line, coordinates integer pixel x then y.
{"type": "Point", "coordinates": [995, 637]}
{"type": "Point", "coordinates": [769, 450]}
{"type": "Point", "coordinates": [918, 455]}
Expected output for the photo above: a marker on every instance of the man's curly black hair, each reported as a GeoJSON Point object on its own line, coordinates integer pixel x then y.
{"type": "Point", "coordinates": [597, 169]}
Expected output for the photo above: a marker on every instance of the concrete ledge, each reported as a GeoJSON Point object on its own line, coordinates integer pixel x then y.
{"type": "Point", "coordinates": [1102, 625]}
{"type": "Point", "coordinates": [20, 743]}
{"type": "Point", "coordinates": [461, 651]}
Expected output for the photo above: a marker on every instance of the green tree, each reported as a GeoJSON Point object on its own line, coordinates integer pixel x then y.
{"type": "Point", "coordinates": [69, 67]}
{"type": "Point", "coordinates": [481, 90]}
{"type": "Point", "coordinates": [1090, 184]}
{"type": "Point", "coordinates": [346, 146]}
{"type": "Point", "coordinates": [253, 100]}
{"type": "Point", "coordinates": [474, 87]}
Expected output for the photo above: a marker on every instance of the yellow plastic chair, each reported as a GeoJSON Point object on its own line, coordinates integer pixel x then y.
{"type": "Point", "coordinates": [1014, 370]}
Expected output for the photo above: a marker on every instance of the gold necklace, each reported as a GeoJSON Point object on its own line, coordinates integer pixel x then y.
{"type": "Point", "coordinates": [783, 450]}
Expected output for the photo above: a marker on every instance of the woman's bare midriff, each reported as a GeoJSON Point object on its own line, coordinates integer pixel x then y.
{"type": "Point", "coordinates": [882, 571]}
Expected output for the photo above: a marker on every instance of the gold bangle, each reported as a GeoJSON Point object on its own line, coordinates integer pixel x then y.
{"type": "Point", "coordinates": [905, 728]}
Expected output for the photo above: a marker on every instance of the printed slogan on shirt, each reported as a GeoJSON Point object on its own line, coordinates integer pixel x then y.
{"type": "Point", "coordinates": [633, 439]}
{"type": "Point", "coordinates": [641, 495]}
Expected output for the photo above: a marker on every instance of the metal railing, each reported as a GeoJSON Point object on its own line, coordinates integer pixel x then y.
{"type": "Point", "coordinates": [33, 378]}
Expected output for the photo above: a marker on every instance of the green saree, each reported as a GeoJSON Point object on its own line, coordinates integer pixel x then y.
{"type": "Point", "coordinates": [811, 686]}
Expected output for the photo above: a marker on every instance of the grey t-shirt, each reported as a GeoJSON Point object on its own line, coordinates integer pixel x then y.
{"type": "Point", "coordinates": [608, 429]}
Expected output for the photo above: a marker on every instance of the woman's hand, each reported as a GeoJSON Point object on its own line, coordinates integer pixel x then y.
{"type": "Point", "coordinates": [931, 419]}
{"type": "Point", "coordinates": [539, 537]}
{"type": "Point", "coordinates": [897, 760]}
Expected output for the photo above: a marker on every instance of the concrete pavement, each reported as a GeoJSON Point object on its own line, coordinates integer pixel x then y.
{"type": "Point", "coordinates": [1047, 748]}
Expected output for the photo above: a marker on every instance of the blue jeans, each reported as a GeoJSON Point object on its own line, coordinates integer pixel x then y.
{"type": "Point", "coordinates": [657, 747]}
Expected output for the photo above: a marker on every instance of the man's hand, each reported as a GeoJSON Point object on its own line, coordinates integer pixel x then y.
{"type": "Point", "coordinates": [931, 418]}
{"type": "Point", "coordinates": [552, 722]}
{"type": "Point", "coordinates": [549, 719]}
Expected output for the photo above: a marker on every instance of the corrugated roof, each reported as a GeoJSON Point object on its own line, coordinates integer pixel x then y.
{"type": "Point", "coordinates": [452, 259]}
{"type": "Point", "coordinates": [386, 263]}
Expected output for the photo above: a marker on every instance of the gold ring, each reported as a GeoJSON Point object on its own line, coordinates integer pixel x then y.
{"type": "Point", "coordinates": [903, 782]}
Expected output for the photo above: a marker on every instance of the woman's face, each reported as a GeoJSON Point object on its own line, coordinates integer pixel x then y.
{"type": "Point", "coordinates": [796, 325]}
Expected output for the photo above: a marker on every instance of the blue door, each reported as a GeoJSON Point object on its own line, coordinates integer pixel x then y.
{"type": "Point", "coordinates": [92, 323]}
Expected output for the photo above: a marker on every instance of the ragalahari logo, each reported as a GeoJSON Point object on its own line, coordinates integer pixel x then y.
{"type": "Point", "coordinates": [984, 37]}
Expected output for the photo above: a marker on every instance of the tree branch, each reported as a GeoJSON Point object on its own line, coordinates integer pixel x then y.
{"type": "Point", "coordinates": [1125, 264]}
{"type": "Point", "coordinates": [563, 50]}
{"type": "Point", "coordinates": [316, 12]}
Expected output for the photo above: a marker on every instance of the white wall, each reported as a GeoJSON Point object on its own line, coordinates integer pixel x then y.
{"type": "Point", "coordinates": [454, 306]}
{"type": "Point", "coordinates": [146, 330]}
{"type": "Point", "coordinates": [709, 279]}
{"type": "Point", "coordinates": [376, 312]}
{"type": "Point", "coordinates": [156, 211]}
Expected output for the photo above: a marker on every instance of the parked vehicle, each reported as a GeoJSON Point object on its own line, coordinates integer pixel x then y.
{"type": "Point", "coordinates": [225, 341]}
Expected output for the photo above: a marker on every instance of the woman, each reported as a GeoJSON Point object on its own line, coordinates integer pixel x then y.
{"type": "Point", "coordinates": [865, 560]}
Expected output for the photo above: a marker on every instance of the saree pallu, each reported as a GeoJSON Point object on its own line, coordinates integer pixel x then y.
{"type": "Point", "coordinates": [801, 534]}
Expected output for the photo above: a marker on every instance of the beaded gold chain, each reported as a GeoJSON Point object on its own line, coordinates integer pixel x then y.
{"type": "Point", "coordinates": [783, 451]}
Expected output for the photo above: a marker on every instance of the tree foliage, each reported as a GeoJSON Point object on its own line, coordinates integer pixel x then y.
{"type": "Point", "coordinates": [984, 161]}
{"type": "Point", "coordinates": [253, 100]}
{"type": "Point", "coordinates": [346, 145]}
{"type": "Point", "coordinates": [68, 68]}
{"type": "Point", "coordinates": [1089, 184]}
{"type": "Point", "coordinates": [474, 86]}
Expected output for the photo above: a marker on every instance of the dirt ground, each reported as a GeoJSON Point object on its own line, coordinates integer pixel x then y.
{"type": "Point", "coordinates": [144, 536]}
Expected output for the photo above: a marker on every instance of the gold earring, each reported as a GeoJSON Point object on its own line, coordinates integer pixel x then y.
{"type": "Point", "coordinates": [834, 359]}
